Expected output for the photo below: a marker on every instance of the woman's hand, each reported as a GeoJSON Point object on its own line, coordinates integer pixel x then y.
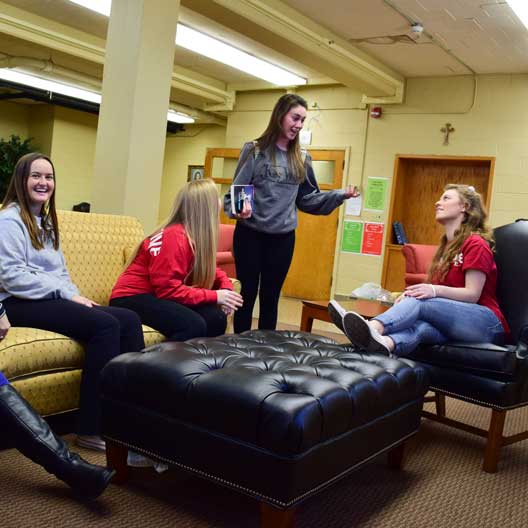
{"type": "Point", "coordinates": [84, 300]}
{"type": "Point", "coordinates": [228, 311]}
{"type": "Point", "coordinates": [420, 291]}
{"type": "Point", "coordinates": [351, 191]}
{"type": "Point", "coordinates": [246, 212]}
{"type": "Point", "coordinates": [228, 300]}
{"type": "Point", "coordinates": [5, 325]}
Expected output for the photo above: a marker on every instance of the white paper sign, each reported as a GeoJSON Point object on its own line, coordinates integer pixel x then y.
{"type": "Point", "coordinates": [353, 206]}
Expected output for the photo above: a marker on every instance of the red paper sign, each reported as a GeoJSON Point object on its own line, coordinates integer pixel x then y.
{"type": "Point", "coordinates": [372, 238]}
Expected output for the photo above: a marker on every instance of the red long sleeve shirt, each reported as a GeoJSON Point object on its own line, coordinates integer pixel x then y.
{"type": "Point", "coordinates": [161, 267]}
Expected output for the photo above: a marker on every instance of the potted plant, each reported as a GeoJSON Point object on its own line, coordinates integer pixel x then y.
{"type": "Point", "coordinates": [10, 151]}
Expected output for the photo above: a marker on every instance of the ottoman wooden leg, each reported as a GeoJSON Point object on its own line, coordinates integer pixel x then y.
{"type": "Point", "coordinates": [440, 402]}
{"type": "Point", "coordinates": [396, 456]}
{"type": "Point", "coordinates": [116, 458]}
{"type": "Point", "coordinates": [271, 517]}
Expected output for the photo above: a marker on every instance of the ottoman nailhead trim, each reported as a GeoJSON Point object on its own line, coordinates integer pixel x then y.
{"type": "Point", "coordinates": [478, 402]}
{"type": "Point", "coordinates": [250, 491]}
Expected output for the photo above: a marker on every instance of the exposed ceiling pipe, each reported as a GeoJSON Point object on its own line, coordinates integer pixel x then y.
{"type": "Point", "coordinates": [49, 69]}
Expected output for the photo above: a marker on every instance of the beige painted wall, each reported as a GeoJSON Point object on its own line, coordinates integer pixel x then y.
{"type": "Point", "coordinates": [13, 120]}
{"type": "Point", "coordinates": [72, 152]}
{"type": "Point", "coordinates": [181, 150]}
{"type": "Point", "coordinates": [490, 118]}
{"type": "Point", "coordinates": [40, 125]}
{"type": "Point", "coordinates": [491, 121]}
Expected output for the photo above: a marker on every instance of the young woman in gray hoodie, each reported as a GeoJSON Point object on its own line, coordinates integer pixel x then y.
{"type": "Point", "coordinates": [283, 179]}
{"type": "Point", "coordinates": [37, 291]}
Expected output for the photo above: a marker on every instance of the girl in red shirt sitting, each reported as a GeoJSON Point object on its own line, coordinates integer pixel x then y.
{"type": "Point", "coordinates": [172, 282]}
{"type": "Point", "coordinates": [458, 303]}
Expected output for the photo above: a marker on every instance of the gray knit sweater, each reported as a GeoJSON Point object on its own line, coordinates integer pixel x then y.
{"type": "Point", "coordinates": [26, 272]}
{"type": "Point", "coordinates": [278, 194]}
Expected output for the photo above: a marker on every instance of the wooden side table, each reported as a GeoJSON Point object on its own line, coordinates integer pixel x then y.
{"type": "Point", "coordinates": [319, 310]}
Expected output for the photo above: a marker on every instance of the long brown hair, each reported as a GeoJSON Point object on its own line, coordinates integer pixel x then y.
{"type": "Point", "coordinates": [17, 193]}
{"type": "Point", "coordinates": [196, 208]}
{"type": "Point", "coordinates": [474, 222]}
{"type": "Point", "coordinates": [269, 137]}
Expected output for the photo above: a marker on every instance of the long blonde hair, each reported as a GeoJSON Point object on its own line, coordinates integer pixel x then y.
{"type": "Point", "coordinates": [474, 222]}
{"type": "Point", "coordinates": [196, 208]}
{"type": "Point", "coordinates": [269, 137]}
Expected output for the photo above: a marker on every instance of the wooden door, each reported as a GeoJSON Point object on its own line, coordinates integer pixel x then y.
{"type": "Point", "coordinates": [310, 275]}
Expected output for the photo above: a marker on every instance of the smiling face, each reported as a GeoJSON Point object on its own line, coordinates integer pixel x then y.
{"type": "Point", "coordinates": [450, 207]}
{"type": "Point", "coordinates": [40, 184]}
{"type": "Point", "coordinates": [292, 122]}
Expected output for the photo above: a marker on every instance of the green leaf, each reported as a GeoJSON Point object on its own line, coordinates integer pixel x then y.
{"type": "Point", "coordinates": [11, 150]}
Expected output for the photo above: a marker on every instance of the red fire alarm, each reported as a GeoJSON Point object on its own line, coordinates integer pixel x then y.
{"type": "Point", "coordinates": [376, 112]}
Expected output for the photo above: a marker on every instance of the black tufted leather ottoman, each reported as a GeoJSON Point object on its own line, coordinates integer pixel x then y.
{"type": "Point", "coordinates": [276, 415]}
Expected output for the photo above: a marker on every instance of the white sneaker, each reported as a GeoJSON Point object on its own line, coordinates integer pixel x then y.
{"type": "Point", "coordinates": [336, 313]}
{"type": "Point", "coordinates": [136, 460]}
{"type": "Point", "coordinates": [362, 334]}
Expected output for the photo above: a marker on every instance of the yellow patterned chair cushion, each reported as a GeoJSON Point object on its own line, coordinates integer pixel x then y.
{"type": "Point", "coordinates": [46, 367]}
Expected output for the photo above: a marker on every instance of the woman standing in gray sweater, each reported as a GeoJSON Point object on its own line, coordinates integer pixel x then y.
{"type": "Point", "coordinates": [284, 181]}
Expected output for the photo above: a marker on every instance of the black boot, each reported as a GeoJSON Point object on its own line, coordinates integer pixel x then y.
{"type": "Point", "coordinates": [34, 439]}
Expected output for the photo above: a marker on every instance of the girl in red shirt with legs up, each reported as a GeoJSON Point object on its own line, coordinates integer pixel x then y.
{"type": "Point", "coordinates": [458, 303]}
{"type": "Point", "coordinates": [172, 282]}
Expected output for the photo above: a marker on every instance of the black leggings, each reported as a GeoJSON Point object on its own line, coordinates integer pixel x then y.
{"type": "Point", "coordinates": [104, 332]}
{"type": "Point", "coordinates": [175, 321]}
{"type": "Point", "coordinates": [265, 258]}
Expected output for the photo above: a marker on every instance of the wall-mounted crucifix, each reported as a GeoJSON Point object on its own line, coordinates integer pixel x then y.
{"type": "Point", "coordinates": [446, 131]}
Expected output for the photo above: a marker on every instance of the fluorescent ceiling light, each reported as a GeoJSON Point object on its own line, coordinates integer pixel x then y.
{"type": "Point", "coordinates": [217, 50]}
{"type": "Point", "coordinates": [72, 91]}
{"type": "Point", "coordinates": [179, 117]}
{"type": "Point", "coordinates": [520, 8]}
{"type": "Point", "coordinates": [101, 6]}
{"type": "Point", "coordinates": [220, 51]}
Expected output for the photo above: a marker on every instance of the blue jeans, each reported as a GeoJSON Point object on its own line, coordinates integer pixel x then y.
{"type": "Point", "coordinates": [3, 379]}
{"type": "Point", "coordinates": [436, 321]}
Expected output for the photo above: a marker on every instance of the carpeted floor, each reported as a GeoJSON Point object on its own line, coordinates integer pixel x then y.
{"type": "Point", "coordinates": [442, 486]}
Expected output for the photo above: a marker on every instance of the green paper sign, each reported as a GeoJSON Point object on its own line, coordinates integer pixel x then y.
{"type": "Point", "coordinates": [376, 194]}
{"type": "Point", "coordinates": [352, 232]}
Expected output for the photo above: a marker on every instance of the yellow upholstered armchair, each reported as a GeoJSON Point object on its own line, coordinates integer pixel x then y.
{"type": "Point", "coordinates": [46, 367]}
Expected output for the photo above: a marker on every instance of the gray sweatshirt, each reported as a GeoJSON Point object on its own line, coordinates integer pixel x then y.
{"type": "Point", "coordinates": [278, 194]}
{"type": "Point", "coordinates": [26, 272]}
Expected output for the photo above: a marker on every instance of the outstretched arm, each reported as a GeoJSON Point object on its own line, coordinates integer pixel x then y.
{"type": "Point", "coordinates": [311, 200]}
